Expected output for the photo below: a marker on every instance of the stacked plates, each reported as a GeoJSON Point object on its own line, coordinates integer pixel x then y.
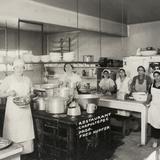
{"type": "Point", "coordinates": [68, 56]}
{"type": "Point", "coordinates": [55, 56]}
{"type": "Point", "coordinates": [45, 58]}
{"type": "Point", "coordinates": [27, 58]}
{"type": "Point", "coordinates": [148, 53]}
{"type": "Point", "coordinates": [35, 59]}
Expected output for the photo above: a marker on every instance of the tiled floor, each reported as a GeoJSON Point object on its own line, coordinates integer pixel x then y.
{"type": "Point", "coordinates": [127, 149]}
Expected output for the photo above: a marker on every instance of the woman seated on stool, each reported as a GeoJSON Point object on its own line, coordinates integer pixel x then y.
{"type": "Point", "coordinates": [154, 109]}
{"type": "Point", "coordinates": [107, 85]}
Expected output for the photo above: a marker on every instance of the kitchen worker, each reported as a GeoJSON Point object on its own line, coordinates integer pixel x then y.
{"type": "Point", "coordinates": [18, 123]}
{"type": "Point", "coordinates": [123, 89]}
{"type": "Point", "coordinates": [154, 109]}
{"type": "Point", "coordinates": [141, 82]}
{"type": "Point", "coordinates": [107, 85]}
{"type": "Point", "coordinates": [123, 84]}
{"type": "Point", "coordinates": [70, 80]}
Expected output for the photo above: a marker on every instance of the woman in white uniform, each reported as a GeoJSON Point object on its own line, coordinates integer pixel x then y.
{"type": "Point", "coordinates": [154, 109]}
{"type": "Point", "coordinates": [70, 78]}
{"type": "Point", "coordinates": [69, 82]}
{"type": "Point", "coordinates": [123, 84]}
{"type": "Point", "coordinates": [107, 85]}
{"type": "Point", "coordinates": [18, 123]}
{"type": "Point", "coordinates": [123, 89]}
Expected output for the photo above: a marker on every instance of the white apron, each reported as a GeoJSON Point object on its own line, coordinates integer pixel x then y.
{"type": "Point", "coordinates": [18, 123]}
{"type": "Point", "coordinates": [154, 109]}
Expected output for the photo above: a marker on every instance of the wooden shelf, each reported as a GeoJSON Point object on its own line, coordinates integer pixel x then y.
{"type": "Point", "coordinates": [87, 77]}
{"type": "Point", "coordinates": [62, 62]}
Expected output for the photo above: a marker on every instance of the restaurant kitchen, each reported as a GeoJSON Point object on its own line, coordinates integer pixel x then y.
{"type": "Point", "coordinates": [92, 36]}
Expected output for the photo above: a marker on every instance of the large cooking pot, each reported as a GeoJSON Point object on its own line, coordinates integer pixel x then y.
{"type": "Point", "coordinates": [56, 105]}
{"type": "Point", "coordinates": [84, 99]}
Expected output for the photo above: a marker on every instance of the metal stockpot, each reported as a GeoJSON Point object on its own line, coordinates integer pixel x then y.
{"type": "Point", "coordinates": [56, 105]}
{"type": "Point", "coordinates": [41, 104]}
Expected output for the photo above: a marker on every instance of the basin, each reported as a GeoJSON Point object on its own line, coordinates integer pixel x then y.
{"type": "Point", "coordinates": [84, 99]}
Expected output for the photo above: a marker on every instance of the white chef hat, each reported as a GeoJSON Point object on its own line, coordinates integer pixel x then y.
{"type": "Point", "coordinates": [18, 62]}
{"type": "Point", "coordinates": [106, 70]}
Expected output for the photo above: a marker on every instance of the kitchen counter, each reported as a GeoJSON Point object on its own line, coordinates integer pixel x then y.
{"type": "Point", "coordinates": [11, 153]}
{"type": "Point", "coordinates": [129, 105]}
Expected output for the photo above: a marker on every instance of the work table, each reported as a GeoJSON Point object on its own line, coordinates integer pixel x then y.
{"type": "Point", "coordinates": [128, 105]}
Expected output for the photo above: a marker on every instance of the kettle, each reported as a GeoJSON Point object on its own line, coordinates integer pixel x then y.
{"type": "Point", "coordinates": [74, 109]}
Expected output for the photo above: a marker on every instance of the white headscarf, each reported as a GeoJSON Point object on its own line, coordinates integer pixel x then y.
{"type": "Point", "coordinates": [18, 62]}
{"type": "Point", "coordinates": [105, 71]}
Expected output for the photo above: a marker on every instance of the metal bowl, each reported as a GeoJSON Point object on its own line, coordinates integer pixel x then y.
{"type": "Point", "coordinates": [84, 99]}
{"type": "Point", "coordinates": [21, 101]}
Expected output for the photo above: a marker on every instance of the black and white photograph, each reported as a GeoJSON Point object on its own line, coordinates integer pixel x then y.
{"type": "Point", "coordinates": [79, 79]}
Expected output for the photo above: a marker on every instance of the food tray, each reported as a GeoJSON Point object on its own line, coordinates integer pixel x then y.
{"type": "Point", "coordinates": [4, 143]}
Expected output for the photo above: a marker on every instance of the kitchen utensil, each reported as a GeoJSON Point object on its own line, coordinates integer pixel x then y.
{"type": "Point", "coordinates": [84, 99]}
{"type": "Point", "coordinates": [41, 103]}
{"type": "Point", "coordinates": [56, 105]}
{"type": "Point", "coordinates": [139, 96]}
{"type": "Point", "coordinates": [74, 109]}
{"type": "Point", "coordinates": [4, 143]}
{"type": "Point", "coordinates": [21, 101]}
{"type": "Point", "coordinates": [91, 108]}
{"type": "Point", "coordinates": [88, 58]}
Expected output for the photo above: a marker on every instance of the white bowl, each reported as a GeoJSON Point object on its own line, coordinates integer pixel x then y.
{"type": "Point", "coordinates": [148, 53]}
{"type": "Point", "coordinates": [27, 58]}
{"type": "Point", "coordinates": [35, 59]}
{"type": "Point", "coordinates": [45, 58]}
{"type": "Point", "coordinates": [139, 96]}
